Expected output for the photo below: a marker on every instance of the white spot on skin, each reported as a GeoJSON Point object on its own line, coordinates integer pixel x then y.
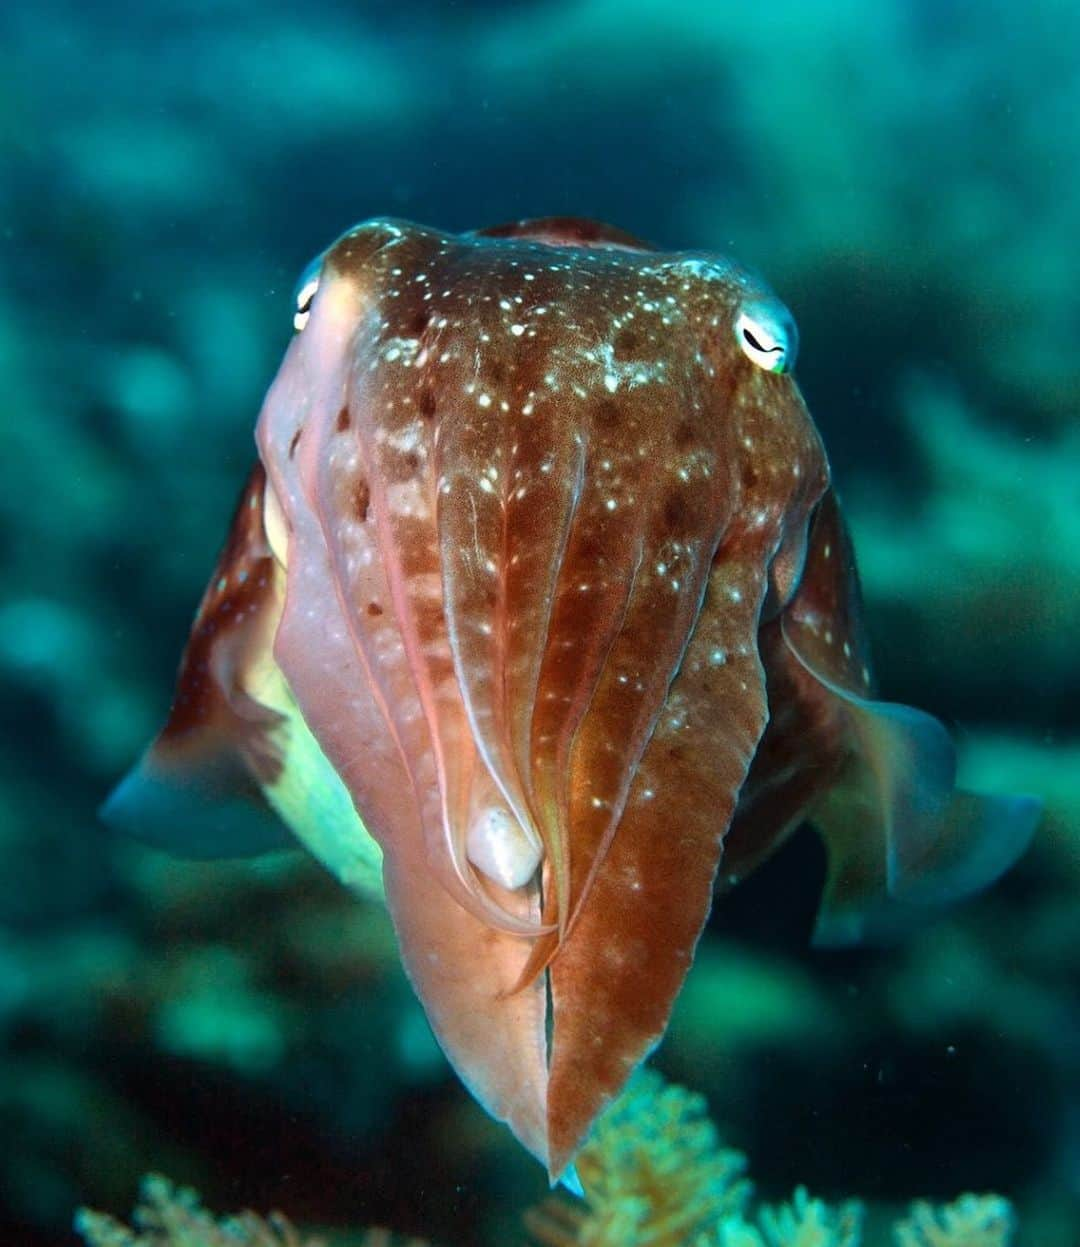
{"type": "Point", "coordinates": [407, 440]}
{"type": "Point", "coordinates": [407, 498]}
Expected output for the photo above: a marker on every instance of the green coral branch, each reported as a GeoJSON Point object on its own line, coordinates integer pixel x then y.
{"type": "Point", "coordinates": [655, 1175]}
{"type": "Point", "coordinates": [972, 1221]}
{"type": "Point", "coordinates": [171, 1216]}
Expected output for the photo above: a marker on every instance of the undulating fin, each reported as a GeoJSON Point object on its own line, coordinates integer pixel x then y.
{"type": "Point", "coordinates": [197, 808]}
{"type": "Point", "coordinates": [197, 789]}
{"type": "Point", "coordinates": [900, 837]}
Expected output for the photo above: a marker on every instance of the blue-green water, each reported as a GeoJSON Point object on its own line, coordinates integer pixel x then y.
{"type": "Point", "coordinates": [906, 177]}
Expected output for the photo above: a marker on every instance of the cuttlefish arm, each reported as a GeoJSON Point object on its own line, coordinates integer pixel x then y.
{"type": "Point", "coordinates": [236, 769]}
{"type": "Point", "coordinates": [876, 778]}
{"type": "Point", "coordinates": [343, 645]}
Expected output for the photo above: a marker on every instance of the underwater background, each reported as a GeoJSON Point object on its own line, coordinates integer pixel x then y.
{"type": "Point", "coordinates": [906, 177]}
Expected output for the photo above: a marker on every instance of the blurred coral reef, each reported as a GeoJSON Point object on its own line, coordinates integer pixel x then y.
{"type": "Point", "coordinates": [654, 1176]}
{"type": "Point", "coordinates": [906, 177]}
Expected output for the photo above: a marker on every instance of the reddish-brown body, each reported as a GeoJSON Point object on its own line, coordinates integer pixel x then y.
{"type": "Point", "coordinates": [564, 582]}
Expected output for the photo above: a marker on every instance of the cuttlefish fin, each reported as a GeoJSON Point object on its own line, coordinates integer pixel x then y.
{"type": "Point", "coordinates": [200, 807]}
{"type": "Point", "coordinates": [197, 791]}
{"type": "Point", "coordinates": [900, 836]}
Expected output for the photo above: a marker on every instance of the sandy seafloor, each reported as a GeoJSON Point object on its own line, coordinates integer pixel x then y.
{"type": "Point", "coordinates": [906, 176]}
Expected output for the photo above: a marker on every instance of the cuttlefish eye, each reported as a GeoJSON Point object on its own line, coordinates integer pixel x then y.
{"type": "Point", "coordinates": [767, 336]}
{"type": "Point", "coordinates": [305, 293]}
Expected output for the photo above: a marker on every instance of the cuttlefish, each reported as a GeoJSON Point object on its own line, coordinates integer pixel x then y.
{"type": "Point", "coordinates": [539, 618]}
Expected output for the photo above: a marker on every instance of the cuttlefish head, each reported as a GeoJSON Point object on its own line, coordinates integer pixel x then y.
{"type": "Point", "coordinates": [533, 493]}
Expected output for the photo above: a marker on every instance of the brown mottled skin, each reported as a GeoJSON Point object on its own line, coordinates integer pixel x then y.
{"type": "Point", "coordinates": [561, 554]}
{"type": "Point", "coordinates": [210, 709]}
{"type": "Point", "coordinates": [599, 472]}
